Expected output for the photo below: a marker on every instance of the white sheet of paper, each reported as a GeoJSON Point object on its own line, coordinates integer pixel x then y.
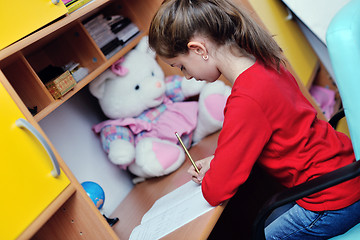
{"type": "Point", "coordinates": [171, 212]}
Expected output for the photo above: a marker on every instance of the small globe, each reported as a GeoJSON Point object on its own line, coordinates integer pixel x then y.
{"type": "Point", "coordinates": [95, 192]}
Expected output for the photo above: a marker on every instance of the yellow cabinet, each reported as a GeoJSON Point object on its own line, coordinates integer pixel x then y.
{"type": "Point", "coordinates": [277, 19]}
{"type": "Point", "coordinates": [20, 18]}
{"type": "Point", "coordinates": [29, 181]}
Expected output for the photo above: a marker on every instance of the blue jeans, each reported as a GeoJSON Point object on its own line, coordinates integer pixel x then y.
{"type": "Point", "coordinates": [299, 223]}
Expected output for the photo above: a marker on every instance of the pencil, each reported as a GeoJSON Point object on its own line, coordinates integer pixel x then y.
{"type": "Point", "coordinates": [187, 153]}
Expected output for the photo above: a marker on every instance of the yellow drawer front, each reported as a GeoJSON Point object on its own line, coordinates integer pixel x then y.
{"type": "Point", "coordinates": [288, 35]}
{"type": "Point", "coordinates": [343, 127]}
{"type": "Point", "coordinates": [20, 18]}
{"type": "Point", "coordinates": [27, 186]}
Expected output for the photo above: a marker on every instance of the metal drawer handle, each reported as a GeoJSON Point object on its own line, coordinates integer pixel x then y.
{"type": "Point", "coordinates": [55, 2]}
{"type": "Point", "coordinates": [22, 123]}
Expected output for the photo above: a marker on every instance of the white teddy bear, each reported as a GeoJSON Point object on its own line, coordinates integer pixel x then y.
{"type": "Point", "coordinates": [146, 109]}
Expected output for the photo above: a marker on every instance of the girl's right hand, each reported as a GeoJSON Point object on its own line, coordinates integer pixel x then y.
{"type": "Point", "coordinates": [203, 165]}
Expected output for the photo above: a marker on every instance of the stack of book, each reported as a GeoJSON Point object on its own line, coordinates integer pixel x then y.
{"type": "Point", "coordinates": [73, 5]}
{"type": "Point", "coordinates": [77, 71]}
{"type": "Point", "coordinates": [111, 33]}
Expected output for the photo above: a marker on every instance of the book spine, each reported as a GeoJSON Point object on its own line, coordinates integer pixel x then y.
{"type": "Point", "coordinates": [67, 2]}
{"type": "Point", "coordinates": [108, 48]}
{"type": "Point", "coordinates": [128, 32]}
{"type": "Point", "coordinates": [76, 5]}
{"type": "Point", "coordinates": [70, 2]}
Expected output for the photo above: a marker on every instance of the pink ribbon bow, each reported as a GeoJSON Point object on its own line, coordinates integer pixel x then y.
{"type": "Point", "coordinates": [119, 70]}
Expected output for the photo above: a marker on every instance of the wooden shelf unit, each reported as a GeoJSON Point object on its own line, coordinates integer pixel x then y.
{"type": "Point", "coordinates": [72, 215]}
{"type": "Point", "coordinates": [61, 42]}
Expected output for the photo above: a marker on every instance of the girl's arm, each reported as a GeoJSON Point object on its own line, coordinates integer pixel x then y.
{"type": "Point", "coordinates": [245, 132]}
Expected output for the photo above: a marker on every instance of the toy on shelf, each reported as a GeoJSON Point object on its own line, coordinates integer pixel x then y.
{"type": "Point", "coordinates": [146, 109]}
{"type": "Point", "coordinates": [57, 81]}
{"type": "Point", "coordinates": [97, 195]}
{"type": "Point", "coordinates": [95, 192]}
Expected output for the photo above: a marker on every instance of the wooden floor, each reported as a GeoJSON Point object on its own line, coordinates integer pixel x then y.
{"type": "Point", "coordinates": [237, 219]}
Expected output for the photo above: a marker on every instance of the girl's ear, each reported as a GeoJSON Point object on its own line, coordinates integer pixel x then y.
{"type": "Point", "coordinates": [198, 47]}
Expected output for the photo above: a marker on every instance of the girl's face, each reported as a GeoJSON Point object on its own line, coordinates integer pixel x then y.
{"type": "Point", "coordinates": [193, 65]}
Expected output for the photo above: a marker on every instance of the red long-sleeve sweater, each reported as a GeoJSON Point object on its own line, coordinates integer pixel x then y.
{"type": "Point", "coordinates": [268, 120]}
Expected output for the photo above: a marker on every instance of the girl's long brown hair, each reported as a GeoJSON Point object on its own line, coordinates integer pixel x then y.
{"type": "Point", "coordinates": [177, 21]}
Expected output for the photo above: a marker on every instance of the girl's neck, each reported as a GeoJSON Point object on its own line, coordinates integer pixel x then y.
{"type": "Point", "coordinates": [232, 65]}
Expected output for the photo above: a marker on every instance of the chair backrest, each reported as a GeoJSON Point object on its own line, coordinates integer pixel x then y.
{"type": "Point", "coordinates": [343, 43]}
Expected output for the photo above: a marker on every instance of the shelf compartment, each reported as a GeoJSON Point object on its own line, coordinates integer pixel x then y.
{"type": "Point", "coordinates": [27, 84]}
{"type": "Point", "coordinates": [92, 75]}
{"type": "Point", "coordinates": [72, 46]}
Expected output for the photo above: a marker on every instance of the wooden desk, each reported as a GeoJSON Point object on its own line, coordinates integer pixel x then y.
{"type": "Point", "coordinates": [143, 196]}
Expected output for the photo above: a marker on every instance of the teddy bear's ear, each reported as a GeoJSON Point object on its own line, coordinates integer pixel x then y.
{"type": "Point", "coordinates": [97, 86]}
{"type": "Point", "coordinates": [143, 46]}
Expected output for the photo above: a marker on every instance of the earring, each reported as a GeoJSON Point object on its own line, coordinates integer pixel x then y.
{"type": "Point", "coordinates": [205, 57]}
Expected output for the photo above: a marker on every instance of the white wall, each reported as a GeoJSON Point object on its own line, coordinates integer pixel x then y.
{"type": "Point", "coordinates": [314, 18]}
{"type": "Point", "coordinates": [69, 129]}
{"type": "Point", "coordinates": [318, 46]}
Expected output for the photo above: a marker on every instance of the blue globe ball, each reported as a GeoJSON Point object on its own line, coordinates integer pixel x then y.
{"type": "Point", "coordinates": [95, 192]}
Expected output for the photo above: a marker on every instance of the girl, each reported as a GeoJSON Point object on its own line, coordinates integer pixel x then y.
{"type": "Point", "coordinates": [267, 119]}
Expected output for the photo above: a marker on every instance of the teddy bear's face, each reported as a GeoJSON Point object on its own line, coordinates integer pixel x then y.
{"type": "Point", "coordinates": [143, 87]}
